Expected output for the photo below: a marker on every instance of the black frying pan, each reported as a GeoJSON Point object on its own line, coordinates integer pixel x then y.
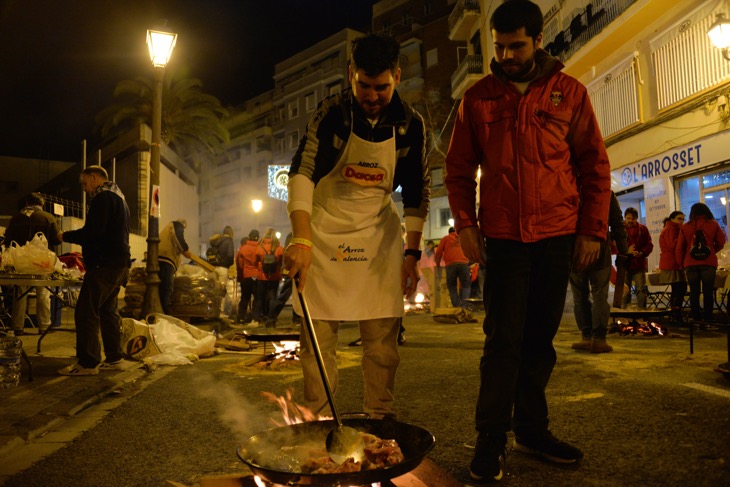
{"type": "Point", "coordinates": [259, 451]}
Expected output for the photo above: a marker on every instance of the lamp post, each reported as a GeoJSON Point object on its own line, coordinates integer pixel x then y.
{"type": "Point", "coordinates": [160, 45]}
{"type": "Point", "coordinates": [719, 33]}
{"type": "Point", "coordinates": [257, 205]}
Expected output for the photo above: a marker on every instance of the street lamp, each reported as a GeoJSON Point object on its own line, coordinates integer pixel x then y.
{"type": "Point", "coordinates": [719, 33]}
{"type": "Point", "coordinates": [160, 45]}
{"type": "Point", "coordinates": [257, 205]}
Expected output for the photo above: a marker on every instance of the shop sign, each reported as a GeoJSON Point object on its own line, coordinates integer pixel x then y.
{"type": "Point", "coordinates": [666, 164]}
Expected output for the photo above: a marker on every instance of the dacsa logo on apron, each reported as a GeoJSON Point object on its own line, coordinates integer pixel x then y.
{"type": "Point", "coordinates": [364, 173]}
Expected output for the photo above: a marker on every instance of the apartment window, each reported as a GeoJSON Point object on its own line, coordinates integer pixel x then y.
{"type": "Point", "coordinates": [310, 102]}
{"type": "Point", "coordinates": [432, 58]}
{"type": "Point", "coordinates": [684, 59]}
{"type": "Point", "coordinates": [293, 139]}
{"type": "Point", "coordinates": [280, 114]}
{"type": "Point", "coordinates": [427, 7]}
{"type": "Point", "coordinates": [293, 109]}
{"type": "Point", "coordinates": [279, 143]}
{"type": "Point", "coordinates": [246, 149]}
{"type": "Point", "coordinates": [334, 88]}
{"type": "Point", "coordinates": [444, 217]}
{"type": "Point", "coordinates": [615, 97]}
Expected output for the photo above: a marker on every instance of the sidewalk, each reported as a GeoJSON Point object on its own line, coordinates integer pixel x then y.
{"type": "Point", "coordinates": [34, 408]}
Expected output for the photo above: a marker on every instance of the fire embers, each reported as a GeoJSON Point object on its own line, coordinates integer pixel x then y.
{"type": "Point", "coordinates": [284, 356]}
{"type": "Point", "coordinates": [634, 327]}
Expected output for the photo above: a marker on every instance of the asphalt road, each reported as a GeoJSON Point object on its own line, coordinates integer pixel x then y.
{"type": "Point", "coordinates": [648, 414]}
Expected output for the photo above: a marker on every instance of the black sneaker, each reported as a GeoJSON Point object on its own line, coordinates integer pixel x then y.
{"type": "Point", "coordinates": [489, 457]}
{"type": "Point", "coordinates": [548, 447]}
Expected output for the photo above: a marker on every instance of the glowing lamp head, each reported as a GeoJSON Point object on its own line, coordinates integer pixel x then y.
{"type": "Point", "coordinates": [719, 32]}
{"type": "Point", "coordinates": [160, 45]}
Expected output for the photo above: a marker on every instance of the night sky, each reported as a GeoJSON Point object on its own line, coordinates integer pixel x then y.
{"type": "Point", "coordinates": [61, 59]}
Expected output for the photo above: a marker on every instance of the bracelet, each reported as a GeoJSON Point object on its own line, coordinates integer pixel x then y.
{"type": "Point", "coordinates": [301, 241]}
{"type": "Point", "coordinates": [414, 252]}
{"type": "Point", "coordinates": [305, 247]}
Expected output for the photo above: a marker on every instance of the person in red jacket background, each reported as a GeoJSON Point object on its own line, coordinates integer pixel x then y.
{"type": "Point", "coordinates": [670, 268]}
{"type": "Point", "coordinates": [700, 272]}
{"type": "Point", "coordinates": [457, 268]}
{"type": "Point", "coordinates": [267, 281]}
{"type": "Point", "coordinates": [246, 273]}
{"type": "Point", "coordinates": [640, 246]}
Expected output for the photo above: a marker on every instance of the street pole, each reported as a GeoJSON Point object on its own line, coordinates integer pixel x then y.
{"type": "Point", "coordinates": [160, 45]}
{"type": "Point", "coordinates": [152, 303]}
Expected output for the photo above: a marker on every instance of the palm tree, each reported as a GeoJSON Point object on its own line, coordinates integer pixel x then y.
{"type": "Point", "coordinates": [191, 119]}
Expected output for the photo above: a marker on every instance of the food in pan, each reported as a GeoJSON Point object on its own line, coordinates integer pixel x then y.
{"type": "Point", "coordinates": [313, 459]}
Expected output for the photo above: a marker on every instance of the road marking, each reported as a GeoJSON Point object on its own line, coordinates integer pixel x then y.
{"type": "Point", "coordinates": [709, 389]}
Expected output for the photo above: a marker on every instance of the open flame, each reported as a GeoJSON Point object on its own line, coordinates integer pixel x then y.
{"type": "Point", "coordinates": [420, 303]}
{"type": "Point", "coordinates": [262, 483]}
{"type": "Point", "coordinates": [633, 327]}
{"type": "Point", "coordinates": [284, 355]}
{"type": "Point", "coordinates": [291, 412]}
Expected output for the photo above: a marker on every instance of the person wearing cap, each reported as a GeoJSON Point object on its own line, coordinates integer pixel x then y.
{"type": "Point", "coordinates": [172, 246]}
{"type": "Point", "coordinates": [247, 271]}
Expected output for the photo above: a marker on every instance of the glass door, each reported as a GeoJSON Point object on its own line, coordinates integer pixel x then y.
{"type": "Point", "coordinates": [717, 202]}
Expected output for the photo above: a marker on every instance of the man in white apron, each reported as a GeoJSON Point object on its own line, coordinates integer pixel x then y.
{"type": "Point", "coordinates": [346, 250]}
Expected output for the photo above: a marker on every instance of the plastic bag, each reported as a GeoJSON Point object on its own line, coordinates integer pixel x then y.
{"type": "Point", "coordinates": [34, 257]}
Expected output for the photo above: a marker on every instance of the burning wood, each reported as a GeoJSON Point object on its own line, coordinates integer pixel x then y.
{"type": "Point", "coordinates": [634, 327]}
{"type": "Point", "coordinates": [284, 356]}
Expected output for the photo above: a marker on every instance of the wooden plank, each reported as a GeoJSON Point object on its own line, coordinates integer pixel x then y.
{"type": "Point", "coordinates": [202, 263]}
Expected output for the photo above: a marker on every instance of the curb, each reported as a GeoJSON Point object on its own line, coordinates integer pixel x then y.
{"type": "Point", "coordinates": [121, 379]}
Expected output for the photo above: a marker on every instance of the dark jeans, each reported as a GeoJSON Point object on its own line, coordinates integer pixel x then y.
{"type": "Point", "coordinates": [462, 274]}
{"type": "Point", "coordinates": [524, 295]}
{"type": "Point", "coordinates": [679, 289]}
{"type": "Point", "coordinates": [167, 282]}
{"type": "Point", "coordinates": [280, 300]}
{"type": "Point", "coordinates": [590, 302]}
{"type": "Point", "coordinates": [248, 290]}
{"type": "Point", "coordinates": [96, 309]}
{"type": "Point", "coordinates": [701, 276]}
{"type": "Point", "coordinates": [265, 293]}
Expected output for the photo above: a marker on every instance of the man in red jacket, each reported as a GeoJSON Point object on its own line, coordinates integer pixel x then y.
{"type": "Point", "coordinates": [544, 199]}
{"type": "Point", "coordinates": [640, 246]}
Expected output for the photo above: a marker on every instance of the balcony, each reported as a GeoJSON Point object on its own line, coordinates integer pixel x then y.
{"type": "Point", "coordinates": [462, 19]}
{"type": "Point", "coordinates": [469, 71]}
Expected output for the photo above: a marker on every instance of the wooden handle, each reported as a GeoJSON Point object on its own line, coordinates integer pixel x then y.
{"type": "Point", "coordinates": [202, 263]}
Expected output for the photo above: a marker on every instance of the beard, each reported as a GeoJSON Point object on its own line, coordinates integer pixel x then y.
{"type": "Point", "coordinates": [519, 72]}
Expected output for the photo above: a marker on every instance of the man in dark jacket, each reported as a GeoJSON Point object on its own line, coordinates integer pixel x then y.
{"type": "Point", "coordinates": [592, 317]}
{"type": "Point", "coordinates": [21, 229]}
{"type": "Point", "coordinates": [104, 241]}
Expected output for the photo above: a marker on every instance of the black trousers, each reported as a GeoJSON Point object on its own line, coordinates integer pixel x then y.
{"type": "Point", "coordinates": [524, 296]}
{"type": "Point", "coordinates": [96, 310]}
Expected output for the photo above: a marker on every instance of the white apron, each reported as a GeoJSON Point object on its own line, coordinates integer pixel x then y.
{"type": "Point", "coordinates": [356, 232]}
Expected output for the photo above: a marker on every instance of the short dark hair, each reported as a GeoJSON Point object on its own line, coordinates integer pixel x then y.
{"type": "Point", "coordinates": [35, 199]}
{"type": "Point", "coordinates": [514, 14]}
{"type": "Point", "coordinates": [631, 211]}
{"type": "Point", "coordinates": [96, 170]}
{"type": "Point", "coordinates": [700, 209]}
{"type": "Point", "coordinates": [375, 53]}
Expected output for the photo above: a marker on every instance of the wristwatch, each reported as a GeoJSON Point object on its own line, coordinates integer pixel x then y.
{"type": "Point", "coordinates": [415, 253]}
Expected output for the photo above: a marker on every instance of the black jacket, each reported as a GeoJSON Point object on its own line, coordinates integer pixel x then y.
{"type": "Point", "coordinates": [31, 220]}
{"type": "Point", "coordinates": [104, 238]}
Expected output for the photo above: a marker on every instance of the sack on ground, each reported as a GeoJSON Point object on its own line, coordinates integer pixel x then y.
{"type": "Point", "coordinates": [699, 250]}
{"type": "Point", "coordinates": [137, 341]}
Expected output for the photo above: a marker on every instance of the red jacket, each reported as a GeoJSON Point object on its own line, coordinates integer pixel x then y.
{"type": "Point", "coordinates": [545, 172]}
{"type": "Point", "coordinates": [640, 238]}
{"type": "Point", "coordinates": [714, 236]}
{"type": "Point", "coordinates": [263, 249]}
{"type": "Point", "coordinates": [246, 260]}
{"type": "Point", "coordinates": [449, 251]}
{"type": "Point", "coordinates": [668, 245]}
